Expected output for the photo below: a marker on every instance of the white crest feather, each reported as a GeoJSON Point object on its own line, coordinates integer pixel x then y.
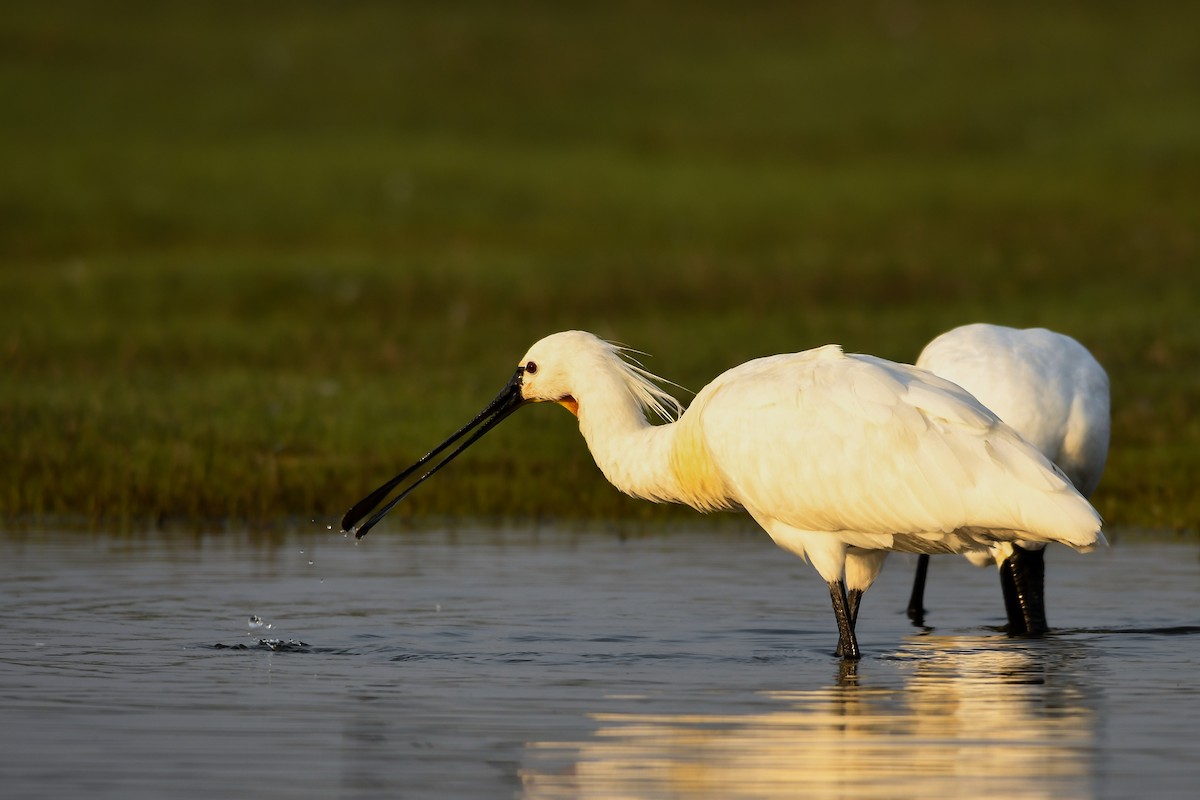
{"type": "Point", "coordinates": [644, 385]}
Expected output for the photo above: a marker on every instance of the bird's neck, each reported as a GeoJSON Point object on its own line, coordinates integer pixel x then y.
{"type": "Point", "coordinates": [634, 455]}
{"type": "Point", "coordinates": [667, 463]}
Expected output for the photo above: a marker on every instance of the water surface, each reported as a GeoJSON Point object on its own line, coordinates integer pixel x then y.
{"type": "Point", "coordinates": [545, 663]}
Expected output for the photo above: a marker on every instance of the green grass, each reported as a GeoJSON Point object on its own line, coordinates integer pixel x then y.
{"type": "Point", "coordinates": [256, 258]}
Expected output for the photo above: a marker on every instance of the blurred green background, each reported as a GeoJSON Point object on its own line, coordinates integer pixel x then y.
{"type": "Point", "coordinates": [255, 257]}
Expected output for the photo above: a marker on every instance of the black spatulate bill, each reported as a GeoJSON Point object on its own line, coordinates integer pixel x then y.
{"type": "Point", "coordinates": [505, 403]}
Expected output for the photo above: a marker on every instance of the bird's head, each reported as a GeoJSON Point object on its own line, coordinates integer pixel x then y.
{"type": "Point", "coordinates": [548, 371]}
{"type": "Point", "coordinates": [554, 370]}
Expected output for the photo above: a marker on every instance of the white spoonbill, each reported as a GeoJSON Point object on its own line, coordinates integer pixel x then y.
{"type": "Point", "coordinates": [832, 454]}
{"type": "Point", "coordinates": [1051, 390]}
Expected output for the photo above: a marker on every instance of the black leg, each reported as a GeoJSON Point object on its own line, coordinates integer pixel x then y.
{"type": "Point", "coordinates": [1023, 579]}
{"type": "Point", "coordinates": [916, 602]}
{"type": "Point", "coordinates": [847, 643]}
{"type": "Point", "coordinates": [1012, 602]}
{"type": "Point", "coordinates": [853, 598]}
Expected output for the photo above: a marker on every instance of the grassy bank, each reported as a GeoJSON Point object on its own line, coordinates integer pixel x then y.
{"type": "Point", "coordinates": [254, 259]}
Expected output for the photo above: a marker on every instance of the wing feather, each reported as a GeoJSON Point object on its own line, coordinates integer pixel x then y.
{"type": "Point", "coordinates": [822, 441]}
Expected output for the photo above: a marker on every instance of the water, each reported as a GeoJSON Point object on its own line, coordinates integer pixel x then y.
{"type": "Point", "coordinates": [547, 664]}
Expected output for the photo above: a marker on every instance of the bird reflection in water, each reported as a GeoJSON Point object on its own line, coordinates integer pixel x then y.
{"type": "Point", "coordinates": [967, 720]}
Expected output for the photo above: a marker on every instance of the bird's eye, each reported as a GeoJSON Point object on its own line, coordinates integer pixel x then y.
{"type": "Point", "coordinates": [530, 368]}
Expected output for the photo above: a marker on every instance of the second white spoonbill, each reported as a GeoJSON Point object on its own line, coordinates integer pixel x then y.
{"type": "Point", "coordinates": [1052, 391]}
{"type": "Point", "coordinates": [832, 454]}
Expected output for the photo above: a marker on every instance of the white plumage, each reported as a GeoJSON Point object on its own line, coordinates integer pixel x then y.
{"type": "Point", "coordinates": [832, 454]}
{"type": "Point", "coordinates": [1043, 384]}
